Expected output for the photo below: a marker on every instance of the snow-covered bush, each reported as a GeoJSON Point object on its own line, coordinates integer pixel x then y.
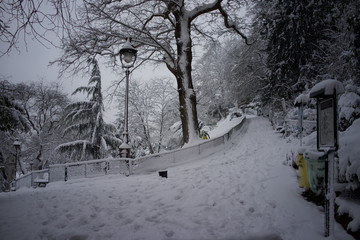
{"type": "Point", "coordinates": [349, 106]}
{"type": "Point", "coordinates": [309, 114]}
{"type": "Point", "coordinates": [310, 140]}
{"type": "Point", "coordinates": [139, 147]}
{"type": "Point", "coordinates": [251, 111]}
{"type": "Point", "coordinates": [353, 210]}
{"type": "Point", "coordinates": [173, 136]}
{"type": "Point", "coordinates": [349, 152]}
{"type": "Point", "coordinates": [292, 121]}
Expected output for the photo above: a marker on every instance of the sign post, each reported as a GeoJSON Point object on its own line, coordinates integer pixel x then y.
{"type": "Point", "coordinates": [327, 140]}
{"type": "Point", "coordinates": [300, 102]}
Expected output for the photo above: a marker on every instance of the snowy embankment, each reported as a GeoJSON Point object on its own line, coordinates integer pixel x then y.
{"type": "Point", "coordinates": [225, 125]}
{"type": "Point", "coordinates": [242, 192]}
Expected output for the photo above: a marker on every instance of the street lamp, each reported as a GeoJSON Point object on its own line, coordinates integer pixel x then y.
{"type": "Point", "coordinates": [17, 145]}
{"type": "Point", "coordinates": [127, 58]}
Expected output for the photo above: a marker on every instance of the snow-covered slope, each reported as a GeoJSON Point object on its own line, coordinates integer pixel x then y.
{"type": "Point", "coordinates": [243, 192]}
{"type": "Point", "coordinates": [225, 125]}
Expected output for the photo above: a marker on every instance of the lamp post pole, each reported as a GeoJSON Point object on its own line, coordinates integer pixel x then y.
{"type": "Point", "coordinates": [126, 123]}
{"type": "Point", "coordinates": [127, 58]}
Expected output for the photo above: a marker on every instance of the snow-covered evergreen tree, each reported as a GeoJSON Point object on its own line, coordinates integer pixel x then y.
{"type": "Point", "coordinates": [343, 58]}
{"type": "Point", "coordinates": [85, 121]}
{"type": "Point", "coordinates": [297, 34]}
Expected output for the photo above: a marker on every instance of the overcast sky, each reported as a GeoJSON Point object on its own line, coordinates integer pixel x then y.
{"type": "Point", "coordinates": [31, 64]}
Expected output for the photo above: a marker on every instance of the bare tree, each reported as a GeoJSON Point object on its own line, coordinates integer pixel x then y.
{"type": "Point", "coordinates": [164, 106]}
{"type": "Point", "coordinates": [151, 112]}
{"type": "Point", "coordinates": [32, 113]}
{"type": "Point", "coordinates": [21, 19]}
{"type": "Point", "coordinates": [43, 105]}
{"type": "Point", "coordinates": [163, 30]}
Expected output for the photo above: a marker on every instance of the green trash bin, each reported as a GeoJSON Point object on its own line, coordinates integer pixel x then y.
{"type": "Point", "coordinates": [316, 170]}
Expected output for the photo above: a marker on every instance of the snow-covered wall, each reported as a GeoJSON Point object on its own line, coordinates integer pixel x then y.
{"type": "Point", "coordinates": [156, 162]}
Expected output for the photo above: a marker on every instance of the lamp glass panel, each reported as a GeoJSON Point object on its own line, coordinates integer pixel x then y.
{"type": "Point", "coordinates": [128, 57]}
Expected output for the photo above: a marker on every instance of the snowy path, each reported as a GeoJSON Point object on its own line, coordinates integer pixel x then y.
{"type": "Point", "coordinates": [243, 193]}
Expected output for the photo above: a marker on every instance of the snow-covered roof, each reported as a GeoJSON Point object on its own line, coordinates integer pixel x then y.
{"type": "Point", "coordinates": [327, 88]}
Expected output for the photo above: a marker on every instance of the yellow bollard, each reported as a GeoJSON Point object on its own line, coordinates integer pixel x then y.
{"type": "Point", "coordinates": [302, 172]}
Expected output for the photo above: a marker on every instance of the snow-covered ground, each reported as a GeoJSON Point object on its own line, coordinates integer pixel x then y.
{"type": "Point", "coordinates": [243, 192]}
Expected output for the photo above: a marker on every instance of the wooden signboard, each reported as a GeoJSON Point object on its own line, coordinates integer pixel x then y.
{"type": "Point", "coordinates": [327, 124]}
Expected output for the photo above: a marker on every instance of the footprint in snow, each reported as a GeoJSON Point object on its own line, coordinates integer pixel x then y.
{"type": "Point", "coordinates": [69, 216]}
{"type": "Point", "coordinates": [169, 234]}
{"type": "Point", "coordinates": [78, 237]}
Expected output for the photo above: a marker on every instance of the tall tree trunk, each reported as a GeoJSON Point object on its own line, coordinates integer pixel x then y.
{"type": "Point", "coordinates": [161, 129]}
{"type": "Point", "coordinates": [147, 136]}
{"type": "Point", "coordinates": [39, 157]}
{"type": "Point", "coordinates": [187, 97]}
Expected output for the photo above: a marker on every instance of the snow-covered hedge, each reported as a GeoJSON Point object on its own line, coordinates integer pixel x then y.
{"type": "Point", "coordinates": [349, 106]}
{"type": "Point", "coordinates": [349, 152]}
{"type": "Point", "coordinates": [351, 208]}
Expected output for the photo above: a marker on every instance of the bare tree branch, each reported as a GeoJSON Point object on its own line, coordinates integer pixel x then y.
{"type": "Point", "coordinates": [232, 25]}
